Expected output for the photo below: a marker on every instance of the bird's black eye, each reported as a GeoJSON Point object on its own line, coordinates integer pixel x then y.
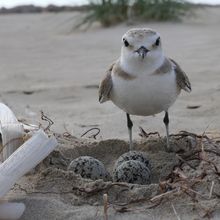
{"type": "Point", "coordinates": [125, 42]}
{"type": "Point", "coordinates": [157, 41]}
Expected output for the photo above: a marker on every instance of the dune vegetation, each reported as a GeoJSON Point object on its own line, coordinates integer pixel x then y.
{"type": "Point", "coordinates": [111, 12]}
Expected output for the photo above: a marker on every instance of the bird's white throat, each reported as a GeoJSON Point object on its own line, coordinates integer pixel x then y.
{"type": "Point", "coordinates": [137, 65]}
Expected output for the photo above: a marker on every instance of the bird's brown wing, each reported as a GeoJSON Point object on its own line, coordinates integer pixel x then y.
{"type": "Point", "coordinates": [181, 77]}
{"type": "Point", "coordinates": [106, 86]}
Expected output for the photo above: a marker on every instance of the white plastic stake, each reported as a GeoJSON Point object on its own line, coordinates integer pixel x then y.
{"type": "Point", "coordinates": [11, 211]}
{"type": "Point", "coordinates": [24, 159]}
{"type": "Point", "coordinates": [11, 131]}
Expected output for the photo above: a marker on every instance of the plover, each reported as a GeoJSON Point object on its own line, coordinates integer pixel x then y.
{"type": "Point", "coordinates": [143, 81]}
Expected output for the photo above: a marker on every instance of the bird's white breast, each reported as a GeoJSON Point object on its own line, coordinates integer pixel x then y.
{"type": "Point", "coordinates": [147, 94]}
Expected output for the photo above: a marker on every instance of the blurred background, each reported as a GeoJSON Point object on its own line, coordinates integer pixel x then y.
{"type": "Point", "coordinates": [13, 3]}
{"type": "Point", "coordinates": [54, 53]}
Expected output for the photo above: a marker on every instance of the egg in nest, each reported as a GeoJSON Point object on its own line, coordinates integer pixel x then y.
{"type": "Point", "coordinates": [132, 171]}
{"type": "Point", "coordinates": [89, 167]}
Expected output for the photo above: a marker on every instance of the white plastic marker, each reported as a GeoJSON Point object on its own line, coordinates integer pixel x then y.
{"type": "Point", "coordinates": [26, 157]}
{"type": "Point", "coordinates": [11, 210]}
{"type": "Point", "coordinates": [11, 130]}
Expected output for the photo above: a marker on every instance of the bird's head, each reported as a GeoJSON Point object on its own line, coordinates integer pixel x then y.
{"type": "Point", "coordinates": [141, 44]}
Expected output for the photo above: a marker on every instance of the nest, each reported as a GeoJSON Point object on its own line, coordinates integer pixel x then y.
{"type": "Point", "coordinates": [188, 175]}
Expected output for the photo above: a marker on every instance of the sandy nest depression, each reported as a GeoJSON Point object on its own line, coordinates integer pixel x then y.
{"type": "Point", "coordinates": [185, 181]}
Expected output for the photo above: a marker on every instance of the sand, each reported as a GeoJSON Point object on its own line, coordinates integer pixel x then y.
{"type": "Point", "coordinates": [50, 191]}
{"type": "Point", "coordinates": [61, 69]}
{"type": "Point", "coordinates": [46, 65]}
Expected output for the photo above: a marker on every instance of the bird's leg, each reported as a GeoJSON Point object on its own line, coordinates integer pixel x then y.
{"type": "Point", "coordinates": [130, 125]}
{"type": "Point", "coordinates": [166, 122]}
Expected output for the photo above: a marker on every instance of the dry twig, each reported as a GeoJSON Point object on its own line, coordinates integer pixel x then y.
{"type": "Point", "coordinates": [211, 190]}
{"type": "Point", "coordinates": [143, 133]}
{"type": "Point", "coordinates": [94, 135]}
{"type": "Point", "coordinates": [105, 206]}
{"type": "Point", "coordinates": [184, 161]}
{"type": "Point", "coordinates": [175, 212]}
{"type": "Point", "coordinates": [45, 118]}
{"type": "Point", "coordinates": [107, 187]}
{"type": "Point", "coordinates": [163, 195]}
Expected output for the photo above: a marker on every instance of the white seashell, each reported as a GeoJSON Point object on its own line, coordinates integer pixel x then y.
{"type": "Point", "coordinates": [11, 131]}
{"type": "Point", "coordinates": [11, 211]}
{"type": "Point", "coordinates": [24, 159]}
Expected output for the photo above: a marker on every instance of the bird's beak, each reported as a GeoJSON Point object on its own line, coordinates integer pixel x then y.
{"type": "Point", "coordinates": [142, 51]}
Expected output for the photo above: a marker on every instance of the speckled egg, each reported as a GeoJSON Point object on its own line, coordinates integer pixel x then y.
{"type": "Point", "coordinates": [89, 167]}
{"type": "Point", "coordinates": [132, 171]}
{"type": "Point", "coordinates": [133, 155]}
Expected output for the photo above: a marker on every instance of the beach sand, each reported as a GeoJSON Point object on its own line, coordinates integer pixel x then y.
{"type": "Point", "coordinates": [46, 65]}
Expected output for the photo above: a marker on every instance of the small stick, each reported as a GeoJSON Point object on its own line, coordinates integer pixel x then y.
{"type": "Point", "coordinates": [48, 120]}
{"type": "Point", "coordinates": [211, 190]}
{"type": "Point", "coordinates": [180, 173]}
{"type": "Point", "coordinates": [202, 145]}
{"type": "Point", "coordinates": [181, 159]}
{"type": "Point", "coordinates": [94, 135]}
{"type": "Point", "coordinates": [163, 194]}
{"type": "Point", "coordinates": [175, 212]}
{"type": "Point", "coordinates": [105, 206]}
{"type": "Point", "coordinates": [146, 135]}
{"type": "Point", "coordinates": [67, 133]}
{"type": "Point", "coordinates": [193, 191]}
{"type": "Point", "coordinates": [215, 167]}
{"type": "Point", "coordinates": [201, 141]}
{"type": "Point", "coordinates": [206, 150]}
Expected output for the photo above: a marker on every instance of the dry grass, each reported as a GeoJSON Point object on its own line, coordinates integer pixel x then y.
{"type": "Point", "coordinates": [109, 12]}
